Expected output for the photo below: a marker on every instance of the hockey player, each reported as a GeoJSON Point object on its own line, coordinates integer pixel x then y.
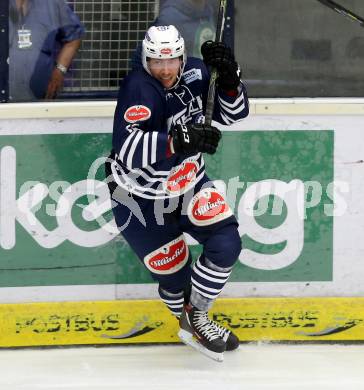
{"type": "Point", "coordinates": [158, 184]}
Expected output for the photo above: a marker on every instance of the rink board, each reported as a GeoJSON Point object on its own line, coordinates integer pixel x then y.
{"type": "Point", "coordinates": [148, 321]}
{"type": "Point", "coordinates": [56, 244]}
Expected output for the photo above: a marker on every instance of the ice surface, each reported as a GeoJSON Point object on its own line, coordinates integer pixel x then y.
{"type": "Point", "coordinates": [171, 367]}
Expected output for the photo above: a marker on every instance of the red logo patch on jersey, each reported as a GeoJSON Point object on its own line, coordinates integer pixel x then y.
{"type": "Point", "coordinates": [166, 51]}
{"type": "Point", "coordinates": [182, 176]}
{"type": "Point", "coordinates": [168, 259]}
{"type": "Point", "coordinates": [207, 207]}
{"type": "Point", "coordinates": [137, 113]}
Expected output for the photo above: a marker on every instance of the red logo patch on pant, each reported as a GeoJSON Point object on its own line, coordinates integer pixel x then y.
{"type": "Point", "coordinates": [182, 176]}
{"type": "Point", "coordinates": [168, 259]}
{"type": "Point", "coordinates": [137, 113]}
{"type": "Point", "coordinates": [207, 207]}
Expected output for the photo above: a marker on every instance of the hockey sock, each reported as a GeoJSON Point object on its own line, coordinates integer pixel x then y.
{"type": "Point", "coordinates": [208, 280]}
{"type": "Point", "coordinates": [174, 301]}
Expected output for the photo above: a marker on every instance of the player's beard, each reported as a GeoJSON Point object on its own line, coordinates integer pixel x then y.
{"type": "Point", "coordinates": [169, 83]}
{"type": "Point", "coordinates": [178, 77]}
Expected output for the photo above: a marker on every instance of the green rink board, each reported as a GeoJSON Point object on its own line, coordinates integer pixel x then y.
{"type": "Point", "coordinates": [247, 157]}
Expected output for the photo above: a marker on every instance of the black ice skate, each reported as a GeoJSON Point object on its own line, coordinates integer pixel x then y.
{"type": "Point", "coordinates": [198, 331]}
{"type": "Point", "coordinates": [231, 340]}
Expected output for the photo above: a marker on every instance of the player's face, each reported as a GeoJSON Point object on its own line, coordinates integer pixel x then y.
{"type": "Point", "coordinates": [165, 70]}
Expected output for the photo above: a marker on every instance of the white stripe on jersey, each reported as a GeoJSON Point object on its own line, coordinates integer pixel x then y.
{"type": "Point", "coordinates": [122, 179]}
{"type": "Point", "coordinates": [126, 144]}
{"type": "Point", "coordinates": [226, 119]}
{"type": "Point", "coordinates": [153, 158]}
{"type": "Point", "coordinates": [156, 173]}
{"type": "Point", "coordinates": [151, 179]}
{"type": "Point", "coordinates": [227, 110]}
{"type": "Point", "coordinates": [150, 174]}
{"type": "Point", "coordinates": [145, 149]}
{"type": "Point", "coordinates": [129, 162]}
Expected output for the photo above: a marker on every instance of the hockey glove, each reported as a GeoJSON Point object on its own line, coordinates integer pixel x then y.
{"type": "Point", "coordinates": [193, 138]}
{"type": "Point", "coordinates": [220, 56]}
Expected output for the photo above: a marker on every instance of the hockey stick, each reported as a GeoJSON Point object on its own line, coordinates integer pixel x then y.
{"type": "Point", "coordinates": [218, 38]}
{"type": "Point", "coordinates": [343, 11]}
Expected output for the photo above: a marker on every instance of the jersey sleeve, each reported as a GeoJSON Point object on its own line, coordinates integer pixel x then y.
{"type": "Point", "coordinates": [140, 131]}
{"type": "Point", "coordinates": [227, 109]}
{"type": "Point", "coordinates": [231, 109]}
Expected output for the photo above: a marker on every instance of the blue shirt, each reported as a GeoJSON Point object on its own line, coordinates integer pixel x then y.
{"type": "Point", "coordinates": [196, 24]}
{"type": "Point", "coordinates": [52, 23]}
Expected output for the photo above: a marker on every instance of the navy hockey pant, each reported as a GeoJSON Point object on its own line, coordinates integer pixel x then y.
{"type": "Point", "coordinates": [154, 230]}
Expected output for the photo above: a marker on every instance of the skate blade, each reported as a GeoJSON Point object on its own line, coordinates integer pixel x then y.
{"type": "Point", "coordinates": [188, 339]}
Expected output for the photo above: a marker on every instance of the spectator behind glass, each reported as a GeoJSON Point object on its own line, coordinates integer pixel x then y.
{"type": "Point", "coordinates": [44, 36]}
{"type": "Point", "coordinates": [194, 19]}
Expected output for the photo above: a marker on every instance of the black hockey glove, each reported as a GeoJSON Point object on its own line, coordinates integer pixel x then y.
{"type": "Point", "coordinates": [193, 138]}
{"type": "Point", "coordinates": [220, 56]}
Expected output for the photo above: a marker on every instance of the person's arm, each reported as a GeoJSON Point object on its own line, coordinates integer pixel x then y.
{"type": "Point", "coordinates": [64, 59]}
{"type": "Point", "coordinates": [140, 130]}
{"type": "Point", "coordinates": [232, 102]}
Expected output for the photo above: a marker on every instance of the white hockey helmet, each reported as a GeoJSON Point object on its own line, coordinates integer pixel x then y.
{"type": "Point", "coordinates": [163, 42]}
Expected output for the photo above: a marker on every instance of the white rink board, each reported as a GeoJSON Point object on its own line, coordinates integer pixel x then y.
{"type": "Point", "coordinates": [344, 116]}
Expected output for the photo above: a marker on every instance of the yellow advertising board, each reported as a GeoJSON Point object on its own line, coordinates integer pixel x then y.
{"type": "Point", "coordinates": [148, 321]}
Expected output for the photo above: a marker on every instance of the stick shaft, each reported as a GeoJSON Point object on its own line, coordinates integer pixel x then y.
{"type": "Point", "coordinates": [212, 85]}
{"type": "Point", "coordinates": [343, 11]}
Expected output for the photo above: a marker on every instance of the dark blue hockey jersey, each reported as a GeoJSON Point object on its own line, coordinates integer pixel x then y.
{"type": "Point", "coordinates": [144, 114]}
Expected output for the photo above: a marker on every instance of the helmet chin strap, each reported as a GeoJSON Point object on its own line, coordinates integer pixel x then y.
{"type": "Point", "coordinates": [179, 76]}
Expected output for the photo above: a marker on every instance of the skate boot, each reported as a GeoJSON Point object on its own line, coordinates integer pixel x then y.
{"type": "Point", "coordinates": [231, 340]}
{"type": "Point", "coordinates": [198, 331]}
